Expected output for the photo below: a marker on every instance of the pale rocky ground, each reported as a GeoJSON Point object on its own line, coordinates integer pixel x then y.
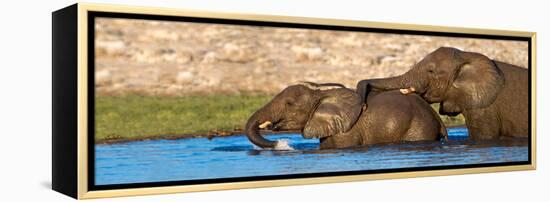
{"type": "Point", "coordinates": [174, 58]}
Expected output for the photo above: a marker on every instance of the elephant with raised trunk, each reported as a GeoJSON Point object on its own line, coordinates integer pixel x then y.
{"type": "Point", "coordinates": [493, 96]}
{"type": "Point", "coordinates": [339, 118]}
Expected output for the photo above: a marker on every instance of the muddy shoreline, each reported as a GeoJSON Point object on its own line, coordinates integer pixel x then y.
{"type": "Point", "coordinates": [210, 136]}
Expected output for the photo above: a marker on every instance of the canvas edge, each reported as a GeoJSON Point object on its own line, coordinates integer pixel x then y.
{"type": "Point", "coordinates": [84, 193]}
{"type": "Point", "coordinates": [533, 100]}
{"type": "Point", "coordinates": [64, 103]}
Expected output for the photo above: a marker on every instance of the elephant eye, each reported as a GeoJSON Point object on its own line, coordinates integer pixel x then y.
{"type": "Point", "coordinates": [431, 68]}
{"type": "Point", "coordinates": [289, 103]}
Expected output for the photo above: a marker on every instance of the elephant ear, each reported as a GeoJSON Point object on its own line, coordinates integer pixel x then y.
{"type": "Point", "coordinates": [477, 81]}
{"type": "Point", "coordinates": [336, 113]}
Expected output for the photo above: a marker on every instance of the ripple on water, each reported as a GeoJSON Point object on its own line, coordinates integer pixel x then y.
{"type": "Point", "coordinates": [235, 156]}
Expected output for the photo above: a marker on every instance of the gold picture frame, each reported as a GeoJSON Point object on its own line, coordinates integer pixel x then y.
{"type": "Point", "coordinates": [71, 142]}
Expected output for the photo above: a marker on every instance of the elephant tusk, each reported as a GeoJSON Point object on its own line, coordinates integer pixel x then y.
{"type": "Point", "coordinates": [406, 91]}
{"type": "Point", "coordinates": [265, 124]}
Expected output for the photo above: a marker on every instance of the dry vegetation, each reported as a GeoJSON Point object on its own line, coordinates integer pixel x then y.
{"type": "Point", "coordinates": [174, 58]}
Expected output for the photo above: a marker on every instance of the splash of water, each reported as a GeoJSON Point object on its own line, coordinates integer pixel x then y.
{"type": "Point", "coordinates": [282, 144]}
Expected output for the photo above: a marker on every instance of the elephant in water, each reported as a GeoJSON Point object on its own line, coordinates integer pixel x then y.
{"type": "Point", "coordinates": [339, 118]}
{"type": "Point", "coordinates": [493, 96]}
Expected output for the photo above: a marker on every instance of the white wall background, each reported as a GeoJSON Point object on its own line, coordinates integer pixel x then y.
{"type": "Point", "coordinates": [25, 89]}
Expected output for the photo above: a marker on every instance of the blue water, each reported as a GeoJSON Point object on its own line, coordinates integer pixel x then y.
{"type": "Point", "coordinates": [235, 156]}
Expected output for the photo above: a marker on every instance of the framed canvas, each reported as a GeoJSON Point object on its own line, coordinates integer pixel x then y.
{"type": "Point", "coordinates": [156, 100]}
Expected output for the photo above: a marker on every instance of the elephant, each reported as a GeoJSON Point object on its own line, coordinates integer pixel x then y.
{"type": "Point", "coordinates": [338, 117]}
{"type": "Point", "coordinates": [493, 96]}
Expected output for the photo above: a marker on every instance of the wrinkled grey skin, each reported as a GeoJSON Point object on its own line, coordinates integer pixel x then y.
{"type": "Point", "coordinates": [338, 117]}
{"type": "Point", "coordinates": [492, 95]}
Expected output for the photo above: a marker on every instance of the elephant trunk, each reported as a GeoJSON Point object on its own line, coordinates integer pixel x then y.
{"type": "Point", "coordinates": [406, 80]}
{"type": "Point", "coordinates": [252, 129]}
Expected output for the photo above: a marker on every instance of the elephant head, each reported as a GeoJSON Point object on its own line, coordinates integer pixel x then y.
{"type": "Point", "coordinates": [457, 79]}
{"type": "Point", "coordinates": [318, 110]}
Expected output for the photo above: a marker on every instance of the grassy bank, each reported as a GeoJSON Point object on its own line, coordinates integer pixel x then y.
{"type": "Point", "coordinates": [138, 117]}
{"type": "Point", "coordinates": [141, 117]}
{"type": "Point", "coordinates": [450, 121]}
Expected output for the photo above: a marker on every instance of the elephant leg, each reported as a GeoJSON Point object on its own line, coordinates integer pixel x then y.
{"type": "Point", "coordinates": [483, 124]}
{"type": "Point", "coordinates": [327, 143]}
{"type": "Point", "coordinates": [341, 140]}
{"type": "Point", "coordinates": [442, 127]}
{"type": "Point", "coordinates": [362, 89]}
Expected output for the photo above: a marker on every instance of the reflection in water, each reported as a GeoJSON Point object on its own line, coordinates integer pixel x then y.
{"type": "Point", "coordinates": [235, 156]}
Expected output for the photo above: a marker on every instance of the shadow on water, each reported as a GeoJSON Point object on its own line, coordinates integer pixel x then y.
{"type": "Point", "coordinates": [465, 143]}
{"type": "Point", "coordinates": [239, 148]}
{"type": "Point", "coordinates": [308, 150]}
{"type": "Point", "coordinates": [313, 148]}
{"type": "Point", "coordinates": [299, 148]}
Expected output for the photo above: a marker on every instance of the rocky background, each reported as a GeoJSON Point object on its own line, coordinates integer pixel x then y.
{"type": "Point", "coordinates": [161, 58]}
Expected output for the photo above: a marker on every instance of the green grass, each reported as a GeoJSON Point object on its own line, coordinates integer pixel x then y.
{"type": "Point", "coordinates": [449, 120]}
{"type": "Point", "coordinates": [135, 117]}
{"type": "Point", "coordinates": [139, 117]}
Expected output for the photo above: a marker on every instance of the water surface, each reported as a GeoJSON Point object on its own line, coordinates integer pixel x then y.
{"type": "Point", "coordinates": [235, 156]}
